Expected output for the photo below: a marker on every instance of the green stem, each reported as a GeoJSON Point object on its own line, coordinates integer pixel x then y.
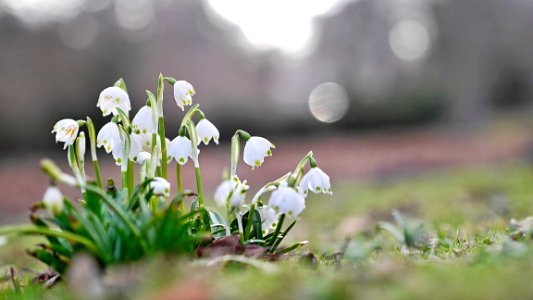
{"type": "Point", "coordinates": [30, 229]}
{"type": "Point", "coordinates": [163, 147]}
{"type": "Point", "coordinates": [284, 234]}
{"type": "Point", "coordinates": [228, 222]}
{"type": "Point", "coordinates": [97, 174]}
{"type": "Point", "coordinates": [180, 185]}
{"type": "Point", "coordinates": [92, 141]}
{"type": "Point", "coordinates": [199, 187]}
{"type": "Point", "coordinates": [298, 172]}
{"type": "Point", "coordinates": [248, 229]}
{"type": "Point", "coordinates": [235, 153]}
{"type": "Point", "coordinates": [239, 225]}
{"type": "Point", "coordinates": [153, 161]}
{"type": "Point", "coordinates": [131, 178]}
{"type": "Point", "coordinates": [276, 233]}
{"type": "Point", "coordinates": [124, 180]}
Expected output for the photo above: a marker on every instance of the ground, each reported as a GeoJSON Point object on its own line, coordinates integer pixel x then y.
{"type": "Point", "coordinates": [459, 244]}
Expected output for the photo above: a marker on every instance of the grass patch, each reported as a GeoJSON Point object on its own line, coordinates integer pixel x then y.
{"type": "Point", "coordinates": [465, 248]}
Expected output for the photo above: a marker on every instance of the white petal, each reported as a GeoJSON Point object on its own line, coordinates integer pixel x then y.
{"type": "Point", "coordinates": [206, 131]}
{"type": "Point", "coordinates": [111, 98]}
{"type": "Point", "coordinates": [180, 149]}
{"type": "Point", "coordinates": [286, 200]}
{"type": "Point", "coordinates": [66, 131]}
{"type": "Point", "coordinates": [255, 151]}
{"type": "Point", "coordinates": [160, 186]}
{"type": "Point", "coordinates": [183, 92]}
{"type": "Point", "coordinates": [143, 122]}
{"type": "Point", "coordinates": [143, 156]}
{"type": "Point", "coordinates": [108, 136]}
{"type": "Point", "coordinates": [53, 199]}
{"type": "Point", "coordinates": [222, 193]}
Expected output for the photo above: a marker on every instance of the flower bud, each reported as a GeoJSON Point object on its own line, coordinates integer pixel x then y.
{"type": "Point", "coordinates": [53, 200]}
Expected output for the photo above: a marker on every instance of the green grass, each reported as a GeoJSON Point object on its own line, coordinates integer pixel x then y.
{"type": "Point", "coordinates": [466, 211]}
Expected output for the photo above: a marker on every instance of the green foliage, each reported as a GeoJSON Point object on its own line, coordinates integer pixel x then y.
{"type": "Point", "coordinates": [118, 230]}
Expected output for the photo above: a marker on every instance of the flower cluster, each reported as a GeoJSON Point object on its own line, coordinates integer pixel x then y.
{"type": "Point", "coordinates": [121, 224]}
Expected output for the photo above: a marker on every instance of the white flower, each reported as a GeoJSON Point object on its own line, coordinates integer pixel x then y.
{"type": "Point", "coordinates": [183, 92]}
{"type": "Point", "coordinates": [269, 218]}
{"type": "Point", "coordinates": [53, 200]}
{"type": "Point", "coordinates": [135, 149]}
{"type": "Point", "coordinates": [286, 200]}
{"type": "Point", "coordinates": [316, 181]}
{"type": "Point", "coordinates": [66, 131]}
{"type": "Point", "coordinates": [143, 122]}
{"type": "Point", "coordinates": [180, 149]}
{"type": "Point", "coordinates": [231, 193]}
{"type": "Point", "coordinates": [206, 131]}
{"type": "Point", "coordinates": [108, 136]}
{"type": "Point", "coordinates": [255, 151]}
{"type": "Point", "coordinates": [111, 98]}
{"type": "Point", "coordinates": [146, 142]}
{"type": "Point", "coordinates": [143, 156]}
{"type": "Point", "coordinates": [160, 186]}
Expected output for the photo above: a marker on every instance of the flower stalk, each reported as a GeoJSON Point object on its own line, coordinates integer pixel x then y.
{"type": "Point", "coordinates": [276, 234]}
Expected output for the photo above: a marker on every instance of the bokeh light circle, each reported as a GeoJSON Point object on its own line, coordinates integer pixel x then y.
{"type": "Point", "coordinates": [329, 102]}
{"type": "Point", "coordinates": [409, 40]}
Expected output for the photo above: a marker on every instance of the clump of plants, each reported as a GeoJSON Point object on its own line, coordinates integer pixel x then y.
{"type": "Point", "coordinates": [138, 217]}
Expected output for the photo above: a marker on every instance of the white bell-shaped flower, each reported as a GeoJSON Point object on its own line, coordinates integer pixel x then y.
{"type": "Point", "coordinates": [206, 131]}
{"type": "Point", "coordinates": [108, 136]}
{"type": "Point", "coordinates": [269, 218]}
{"type": "Point", "coordinates": [316, 181]}
{"type": "Point", "coordinates": [135, 149]}
{"type": "Point", "coordinates": [111, 98]}
{"type": "Point", "coordinates": [231, 193]}
{"type": "Point", "coordinates": [143, 156]}
{"type": "Point", "coordinates": [143, 122]}
{"type": "Point", "coordinates": [53, 200]}
{"type": "Point", "coordinates": [286, 200]}
{"type": "Point", "coordinates": [66, 131]}
{"type": "Point", "coordinates": [180, 149]}
{"type": "Point", "coordinates": [146, 142]}
{"type": "Point", "coordinates": [183, 92]}
{"type": "Point", "coordinates": [160, 187]}
{"type": "Point", "coordinates": [255, 151]}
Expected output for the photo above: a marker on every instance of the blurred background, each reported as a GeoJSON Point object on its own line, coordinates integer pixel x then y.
{"type": "Point", "coordinates": [374, 87]}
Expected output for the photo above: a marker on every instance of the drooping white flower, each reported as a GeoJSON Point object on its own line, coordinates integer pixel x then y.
{"type": "Point", "coordinates": [316, 181]}
{"type": "Point", "coordinates": [255, 151]}
{"type": "Point", "coordinates": [66, 131]}
{"type": "Point", "coordinates": [143, 122]}
{"type": "Point", "coordinates": [146, 142]}
{"type": "Point", "coordinates": [160, 186]}
{"type": "Point", "coordinates": [286, 200]}
{"type": "Point", "coordinates": [231, 193]}
{"type": "Point", "coordinates": [269, 218]}
{"type": "Point", "coordinates": [108, 136]}
{"type": "Point", "coordinates": [206, 131]}
{"type": "Point", "coordinates": [135, 149]}
{"type": "Point", "coordinates": [183, 92]}
{"type": "Point", "coordinates": [143, 156]}
{"type": "Point", "coordinates": [180, 149]}
{"type": "Point", "coordinates": [111, 98]}
{"type": "Point", "coordinates": [53, 200]}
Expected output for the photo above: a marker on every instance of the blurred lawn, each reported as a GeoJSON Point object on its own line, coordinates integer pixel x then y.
{"type": "Point", "coordinates": [469, 208]}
